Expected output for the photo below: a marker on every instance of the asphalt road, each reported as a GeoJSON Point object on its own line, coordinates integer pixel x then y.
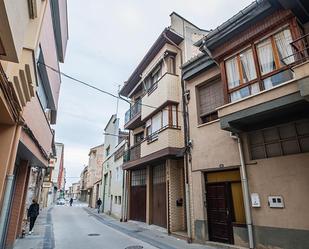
{"type": "Point", "coordinates": [74, 228]}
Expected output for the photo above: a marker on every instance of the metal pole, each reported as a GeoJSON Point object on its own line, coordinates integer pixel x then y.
{"type": "Point", "coordinates": [245, 188]}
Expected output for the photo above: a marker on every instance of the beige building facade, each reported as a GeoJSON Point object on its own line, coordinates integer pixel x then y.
{"type": "Point", "coordinates": [248, 115]}
{"type": "Point", "coordinates": [96, 158]}
{"type": "Point", "coordinates": [154, 164]}
{"type": "Point", "coordinates": [115, 143]}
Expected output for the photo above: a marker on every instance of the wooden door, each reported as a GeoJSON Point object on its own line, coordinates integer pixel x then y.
{"type": "Point", "coordinates": [219, 212]}
{"type": "Point", "coordinates": [159, 196]}
{"type": "Point", "coordinates": [138, 195]}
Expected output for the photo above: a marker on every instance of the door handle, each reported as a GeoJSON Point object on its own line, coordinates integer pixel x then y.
{"type": "Point", "coordinates": [227, 212]}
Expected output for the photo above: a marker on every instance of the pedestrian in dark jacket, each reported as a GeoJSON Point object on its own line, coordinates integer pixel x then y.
{"type": "Point", "coordinates": [33, 213]}
{"type": "Point", "coordinates": [71, 202]}
{"type": "Point", "coordinates": [99, 203]}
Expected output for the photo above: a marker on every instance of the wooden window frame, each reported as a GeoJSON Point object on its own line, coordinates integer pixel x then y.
{"type": "Point", "coordinates": [294, 29]}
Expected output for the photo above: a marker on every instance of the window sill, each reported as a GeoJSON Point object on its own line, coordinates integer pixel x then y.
{"type": "Point", "coordinates": [256, 94]}
{"type": "Point", "coordinates": [208, 123]}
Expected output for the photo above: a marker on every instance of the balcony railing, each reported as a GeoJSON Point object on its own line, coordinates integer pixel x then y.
{"type": "Point", "coordinates": [133, 111]}
{"type": "Point", "coordinates": [132, 154]}
{"type": "Point", "coordinates": [300, 48]}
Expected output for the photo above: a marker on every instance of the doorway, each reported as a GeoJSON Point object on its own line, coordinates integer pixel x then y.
{"type": "Point", "coordinates": [138, 195]}
{"type": "Point", "coordinates": [224, 204]}
{"type": "Point", "coordinates": [159, 196]}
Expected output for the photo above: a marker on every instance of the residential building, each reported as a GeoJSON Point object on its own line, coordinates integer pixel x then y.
{"type": "Point", "coordinates": [83, 185]}
{"type": "Point", "coordinates": [75, 191]}
{"type": "Point", "coordinates": [32, 34]}
{"type": "Point", "coordinates": [112, 183]}
{"type": "Point", "coordinates": [58, 172]}
{"type": "Point", "coordinates": [154, 164]}
{"type": "Point", "coordinates": [249, 128]}
{"type": "Point", "coordinates": [95, 165]}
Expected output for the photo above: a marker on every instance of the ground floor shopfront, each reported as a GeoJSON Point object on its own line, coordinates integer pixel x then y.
{"type": "Point", "coordinates": [156, 194]}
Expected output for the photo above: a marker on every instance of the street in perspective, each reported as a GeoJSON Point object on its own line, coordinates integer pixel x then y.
{"type": "Point", "coordinates": [154, 124]}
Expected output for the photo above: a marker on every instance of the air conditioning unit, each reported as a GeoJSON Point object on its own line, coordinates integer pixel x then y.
{"type": "Point", "coordinates": [233, 135]}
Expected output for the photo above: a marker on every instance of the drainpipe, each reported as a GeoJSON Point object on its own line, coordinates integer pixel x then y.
{"type": "Point", "coordinates": [187, 148]}
{"type": "Point", "coordinates": [123, 196]}
{"type": "Point", "coordinates": [4, 218]}
{"type": "Point", "coordinates": [245, 187]}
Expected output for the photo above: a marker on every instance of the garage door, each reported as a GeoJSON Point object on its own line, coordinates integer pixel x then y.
{"type": "Point", "coordinates": [138, 195]}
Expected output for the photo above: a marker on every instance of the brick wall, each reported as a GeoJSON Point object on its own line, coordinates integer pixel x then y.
{"type": "Point", "coordinates": [176, 192]}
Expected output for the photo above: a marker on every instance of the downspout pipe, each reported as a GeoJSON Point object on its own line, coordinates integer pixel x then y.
{"type": "Point", "coordinates": [187, 147]}
{"type": "Point", "coordinates": [245, 188]}
{"type": "Point", "coordinates": [4, 218]}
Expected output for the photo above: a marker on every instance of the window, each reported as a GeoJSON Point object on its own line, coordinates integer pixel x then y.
{"type": "Point", "coordinates": [154, 76]}
{"type": "Point", "coordinates": [107, 151]}
{"type": "Point", "coordinates": [138, 177]}
{"type": "Point", "coordinates": [138, 138]}
{"type": "Point", "coordinates": [239, 71]}
{"type": "Point", "coordinates": [119, 200]}
{"type": "Point", "coordinates": [168, 117]}
{"type": "Point", "coordinates": [291, 138]}
{"type": "Point", "coordinates": [116, 199]}
{"type": "Point", "coordinates": [210, 96]}
{"type": "Point", "coordinates": [171, 64]}
{"type": "Point", "coordinates": [274, 55]}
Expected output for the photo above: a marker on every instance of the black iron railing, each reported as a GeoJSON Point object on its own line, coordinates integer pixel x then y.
{"type": "Point", "coordinates": [133, 153]}
{"type": "Point", "coordinates": [133, 111]}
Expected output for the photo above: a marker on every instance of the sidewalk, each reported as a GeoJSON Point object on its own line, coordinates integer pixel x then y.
{"type": "Point", "coordinates": [42, 233]}
{"type": "Point", "coordinates": [153, 235]}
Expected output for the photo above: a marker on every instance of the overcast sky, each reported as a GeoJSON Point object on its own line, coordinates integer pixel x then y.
{"type": "Point", "coordinates": [107, 39]}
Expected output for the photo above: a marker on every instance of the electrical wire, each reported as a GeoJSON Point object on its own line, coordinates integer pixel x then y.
{"type": "Point", "coordinates": [96, 88]}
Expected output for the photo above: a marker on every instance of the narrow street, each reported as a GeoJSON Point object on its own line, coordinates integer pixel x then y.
{"type": "Point", "coordinates": [79, 227]}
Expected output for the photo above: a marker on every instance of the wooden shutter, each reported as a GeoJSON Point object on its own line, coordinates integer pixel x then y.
{"type": "Point", "coordinates": [210, 97]}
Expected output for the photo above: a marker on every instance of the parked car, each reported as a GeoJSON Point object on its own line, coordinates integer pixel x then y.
{"type": "Point", "coordinates": [61, 201]}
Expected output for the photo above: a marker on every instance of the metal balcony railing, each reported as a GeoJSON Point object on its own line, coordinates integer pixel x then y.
{"type": "Point", "coordinates": [133, 111]}
{"type": "Point", "coordinates": [132, 154]}
{"type": "Point", "coordinates": [300, 48]}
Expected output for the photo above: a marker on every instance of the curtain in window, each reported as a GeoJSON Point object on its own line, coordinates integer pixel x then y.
{"type": "Point", "coordinates": [174, 115]}
{"type": "Point", "coordinates": [248, 66]}
{"type": "Point", "coordinates": [156, 122]}
{"type": "Point", "coordinates": [266, 57]}
{"type": "Point", "coordinates": [148, 127]}
{"type": "Point", "coordinates": [283, 40]}
{"type": "Point", "coordinates": [165, 117]}
{"type": "Point", "coordinates": [232, 72]}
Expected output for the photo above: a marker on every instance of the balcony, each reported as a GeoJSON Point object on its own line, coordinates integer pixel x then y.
{"type": "Point", "coordinates": [133, 116]}
{"type": "Point", "coordinates": [132, 154]}
{"type": "Point", "coordinates": [167, 137]}
{"type": "Point", "coordinates": [166, 89]}
{"type": "Point", "coordinates": [286, 102]}
{"type": "Point", "coordinates": [167, 142]}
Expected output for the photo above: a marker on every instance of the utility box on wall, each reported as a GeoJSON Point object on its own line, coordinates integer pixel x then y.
{"type": "Point", "coordinates": [275, 201]}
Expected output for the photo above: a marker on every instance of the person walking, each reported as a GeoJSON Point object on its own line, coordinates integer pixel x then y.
{"type": "Point", "coordinates": [33, 213]}
{"type": "Point", "coordinates": [99, 203]}
{"type": "Point", "coordinates": [71, 202]}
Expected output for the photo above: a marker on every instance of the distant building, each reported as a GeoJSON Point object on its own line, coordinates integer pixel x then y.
{"type": "Point", "coordinates": [115, 142]}
{"type": "Point", "coordinates": [95, 164]}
